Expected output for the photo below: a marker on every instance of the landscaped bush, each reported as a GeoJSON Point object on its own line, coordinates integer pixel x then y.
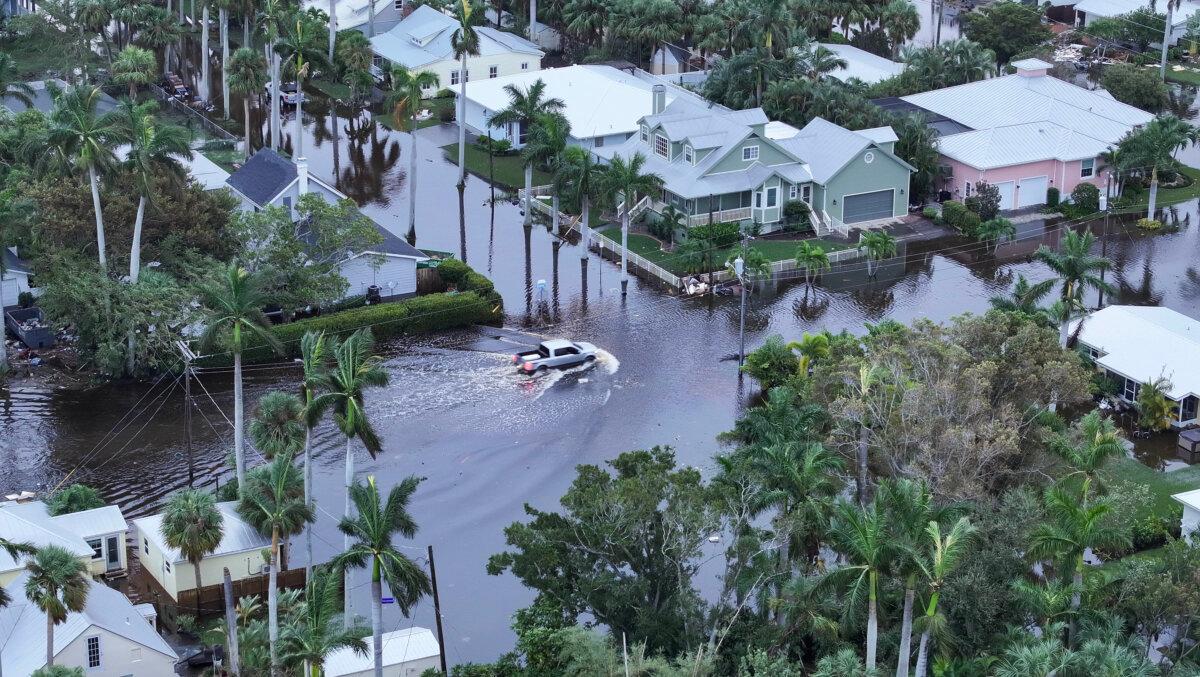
{"type": "Point", "coordinates": [796, 215]}
{"type": "Point", "coordinates": [1052, 197]}
{"type": "Point", "coordinates": [1149, 224]}
{"type": "Point", "coordinates": [931, 213]}
{"type": "Point", "coordinates": [953, 213]}
{"type": "Point", "coordinates": [1086, 199]}
{"type": "Point", "coordinates": [985, 202]}
{"type": "Point", "coordinates": [721, 235]}
{"type": "Point", "coordinates": [444, 93]}
{"type": "Point", "coordinates": [969, 223]}
{"type": "Point", "coordinates": [452, 271]}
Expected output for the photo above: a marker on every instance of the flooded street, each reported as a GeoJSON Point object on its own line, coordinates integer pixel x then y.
{"type": "Point", "coordinates": [488, 440]}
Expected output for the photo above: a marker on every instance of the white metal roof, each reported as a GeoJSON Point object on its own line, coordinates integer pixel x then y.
{"type": "Point", "coordinates": [399, 647]}
{"type": "Point", "coordinates": [237, 536]}
{"type": "Point", "coordinates": [30, 523]}
{"type": "Point", "coordinates": [1031, 64]}
{"type": "Point", "coordinates": [1019, 144]}
{"type": "Point", "coordinates": [776, 130]}
{"type": "Point", "coordinates": [861, 64]}
{"type": "Point", "coordinates": [1190, 499]}
{"type": "Point", "coordinates": [424, 37]}
{"type": "Point", "coordinates": [1146, 342]}
{"type": "Point", "coordinates": [96, 522]}
{"type": "Point", "coordinates": [23, 626]}
{"type": "Point", "coordinates": [599, 100]}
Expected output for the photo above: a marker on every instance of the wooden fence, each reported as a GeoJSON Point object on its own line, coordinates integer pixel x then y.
{"type": "Point", "coordinates": [212, 597]}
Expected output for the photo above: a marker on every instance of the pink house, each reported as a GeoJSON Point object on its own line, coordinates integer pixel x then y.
{"type": "Point", "coordinates": [1026, 133]}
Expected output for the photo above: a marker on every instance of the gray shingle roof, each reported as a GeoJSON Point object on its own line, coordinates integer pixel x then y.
{"type": "Point", "coordinates": [263, 176]}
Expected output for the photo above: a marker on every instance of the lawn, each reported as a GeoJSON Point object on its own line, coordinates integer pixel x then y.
{"type": "Point", "coordinates": [1169, 196]}
{"type": "Point", "coordinates": [333, 90]}
{"type": "Point", "coordinates": [33, 60]}
{"type": "Point", "coordinates": [774, 250]}
{"type": "Point", "coordinates": [1162, 484]}
{"type": "Point", "coordinates": [1187, 75]}
{"type": "Point", "coordinates": [510, 171]}
{"type": "Point", "coordinates": [435, 106]}
{"type": "Point", "coordinates": [225, 159]}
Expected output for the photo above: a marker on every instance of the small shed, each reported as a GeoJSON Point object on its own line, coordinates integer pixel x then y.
{"type": "Point", "coordinates": [15, 279]}
{"type": "Point", "coordinates": [1189, 445]}
{"type": "Point", "coordinates": [1189, 524]}
{"type": "Point", "coordinates": [406, 653]}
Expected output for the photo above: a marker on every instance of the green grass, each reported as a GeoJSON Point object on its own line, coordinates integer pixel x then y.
{"type": "Point", "coordinates": [1189, 76]}
{"type": "Point", "coordinates": [435, 106]}
{"type": "Point", "coordinates": [510, 171]}
{"type": "Point", "coordinates": [33, 58]}
{"type": "Point", "coordinates": [774, 250]}
{"type": "Point", "coordinates": [1168, 196]}
{"type": "Point", "coordinates": [333, 90]}
{"type": "Point", "coordinates": [1161, 484]}
{"type": "Point", "coordinates": [225, 158]}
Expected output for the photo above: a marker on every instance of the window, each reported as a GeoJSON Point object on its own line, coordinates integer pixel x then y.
{"type": "Point", "coordinates": [662, 147]}
{"type": "Point", "coordinates": [166, 566]}
{"type": "Point", "coordinates": [757, 199]}
{"type": "Point", "coordinates": [93, 652]}
{"type": "Point", "coordinates": [792, 191]}
{"type": "Point", "coordinates": [868, 157]}
{"type": "Point", "coordinates": [1087, 168]}
{"type": "Point", "coordinates": [97, 548]}
{"type": "Point", "coordinates": [599, 142]}
{"type": "Point", "coordinates": [135, 654]}
{"type": "Point", "coordinates": [493, 71]}
{"type": "Point", "coordinates": [967, 189]}
{"type": "Point", "coordinates": [750, 153]}
{"type": "Point", "coordinates": [426, 87]}
{"type": "Point", "coordinates": [146, 545]}
{"type": "Point", "coordinates": [772, 197]}
{"type": "Point", "coordinates": [524, 66]}
{"type": "Point", "coordinates": [645, 133]}
{"type": "Point", "coordinates": [806, 195]}
{"type": "Point", "coordinates": [687, 155]}
{"type": "Point", "coordinates": [1130, 390]}
{"type": "Point", "coordinates": [454, 77]}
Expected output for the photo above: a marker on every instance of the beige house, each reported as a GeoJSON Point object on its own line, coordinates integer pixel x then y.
{"type": "Point", "coordinates": [241, 551]}
{"type": "Point", "coordinates": [109, 638]}
{"type": "Point", "coordinates": [96, 536]}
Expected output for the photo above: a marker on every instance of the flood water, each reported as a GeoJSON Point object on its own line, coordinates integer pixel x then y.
{"type": "Point", "coordinates": [488, 440]}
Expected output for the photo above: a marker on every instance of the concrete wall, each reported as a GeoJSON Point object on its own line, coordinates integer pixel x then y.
{"type": "Point", "coordinates": [859, 176]}
{"type": "Point", "coordinates": [361, 273]}
{"type": "Point", "coordinates": [118, 656]}
{"type": "Point", "coordinates": [1063, 175]}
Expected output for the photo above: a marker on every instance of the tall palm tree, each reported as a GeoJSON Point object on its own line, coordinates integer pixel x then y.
{"type": "Point", "coordinates": [344, 384]}
{"type": "Point", "coordinates": [547, 141]}
{"type": "Point", "coordinates": [405, 97]}
{"type": "Point", "coordinates": [233, 313]}
{"type": "Point", "coordinates": [134, 66]}
{"type": "Point", "coordinates": [273, 503]}
{"type": "Point", "coordinates": [621, 185]}
{"type": "Point", "coordinates": [580, 176]}
{"type": "Point", "coordinates": [878, 246]}
{"type": "Point", "coordinates": [58, 584]}
{"type": "Point", "coordinates": [860, 534]}
{"type": "Point", "coordinates": [317, 631]}
{"type": "Point", "coordinates": [372, 532]}
{"type": "Point", "coordinates": [1078, 271]}
{"type": "Point", "coordinates": [943, 556]}
{"type": "Point", "coordinates": [1088, 446]}
{"type": "Point", "coordinates": [1076, 526]}
{"type": "Point", "coordinates": [1154, 147]}
{"type": "Point", "coordinates": [10, 86]}
{"type": "Point", "coordinates": [193, 525]}
{"type": "Point", "coordinates": [247, 75]}
{"type": "Point", "coordinates": [525, 106]}
{"type": "Point", "coordinates": [85, 139]}
{"type": "Point", "coordinates": [1172, 5]}
{"type": "Point", "coordinates": [1024, 297]}
{"type": "Point", "coordinates": [813, 259]}
{"type": "Point", "coordinates": [205, 60]}
{"type": "Point", "coordinates": [901, 21]}
{"type": "Point", "coordinates": [464, 42]}
{"type": "Point", "coordinates": [223, 7]}
{"type": "Point", "coordinates": [313, 362]}
{"type": "Point", "coordinates": [302, 53]}
{"type": "Point", "coordinates": [278, 424]}
{"type": "Point", "coordinates": [159, 30]}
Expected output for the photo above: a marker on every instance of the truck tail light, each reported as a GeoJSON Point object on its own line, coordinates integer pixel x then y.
{"type": "Point", "coordinates": [516, 359]}
{"type": "Point", "coordinates": [528, 366]}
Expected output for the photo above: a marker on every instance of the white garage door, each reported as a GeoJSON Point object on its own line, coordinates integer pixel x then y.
{"type": "Point", "coordinates": [1007, 190]}
{"type": "Point", "coordinates": [1032, 191]}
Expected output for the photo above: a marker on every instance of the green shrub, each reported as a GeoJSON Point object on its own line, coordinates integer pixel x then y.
{"type": "Point", "coordinates": [969, 223]}
{"type": "Point", "coordinates": [985, 202]}
{"type": "Point", "coordinates": [345, 304]}
{"type": "Point", "coordinates": [721, 235]}
{"type": "Point", "coordinates": [25, 299]}
{"type": "Point", "coordinates": [444, 93]}
{"type": "Point", "coordinates": [952, 212]}
{"type": "Point", "coordinates": [772, 364]}
{"type": "Point", "coordinates": [1086, 199]}
{"type": "Point", "coordinates": [1052, 197]}
{"type": "Point", "coordinates": [931, 213]}
{"type": "Point", "coordinates": [1149, 532]}
{"type": "Point", "coordinates": [796, 212]}
{"type": "Point", "coordinates": [1149, 224]}
{"type": "Point", "coordinates": [57, 671]}
{"type": "Point", "coordinates": [452, 271]}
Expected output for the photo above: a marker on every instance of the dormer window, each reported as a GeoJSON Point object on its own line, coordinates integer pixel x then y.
{"type": "Point", "coordinates": [645, 133]}
{"type": "Point", "coordinates": [662, 147]}
{"type": "Point", "coordinates": [749, 153]}
{"type": "Point", "coordinates": [688, 157]}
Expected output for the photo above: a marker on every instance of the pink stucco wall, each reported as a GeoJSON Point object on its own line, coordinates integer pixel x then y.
{"type": "Point", "coordinates": [1063, 175]}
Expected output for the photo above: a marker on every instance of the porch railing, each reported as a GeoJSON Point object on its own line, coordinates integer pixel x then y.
{"type": "Point", "coordinates": [721, 216]}
{"type": "Point", "coordinates": [601, 242]}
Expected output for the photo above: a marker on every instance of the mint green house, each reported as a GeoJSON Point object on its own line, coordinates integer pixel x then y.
{"type": "Point", "coordinates": [728, 165]}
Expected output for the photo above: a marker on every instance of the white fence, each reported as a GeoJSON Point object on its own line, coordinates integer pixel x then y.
{"type": "Point", "coordinates": [778, 267]}
{"type": "Point", "coordinates": [601, 242]}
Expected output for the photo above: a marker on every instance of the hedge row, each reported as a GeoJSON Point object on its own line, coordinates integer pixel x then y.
{"type": "Point", "coordinates": [432, 312]}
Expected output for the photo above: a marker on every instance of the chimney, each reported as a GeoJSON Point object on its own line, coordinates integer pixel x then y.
{"type": "Point", "coordinates": [659, 99]}
{"type": "Point", "coordinates": [302, 173]}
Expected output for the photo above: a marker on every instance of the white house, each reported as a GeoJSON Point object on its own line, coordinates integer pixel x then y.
{"type": "Point", "coordinates": [240, 551]}
{"type": "Point", "coordinates": [1088, 11]}
{"type": "Point", "coordinates": [602, 104]}
{"type": "Point", "coordinates": [269, 179]}
{"type": "Point", "coordinates": [862, 65]}
{"type": "Point", "coordinates": [670, 59]}
{"type": "Point", "coordinates": [406, 653]}
{"type": "Point", "coordinates": [1190, 522]}
{"type": "Point", "coordinates": [96, 536]}
{"type": "Point", "coordinates": [109, 638]}
{"type": "Point", "coordinates": [15, 278]}
{"type": "Point", "coordinates": [422, 42]}
{"type": "Point", "coordinates": [1133, 345]}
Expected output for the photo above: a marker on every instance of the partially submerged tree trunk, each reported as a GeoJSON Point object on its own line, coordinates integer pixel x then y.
{"type": "Point", "coordinates": [904, 653]}
{"type": "Point", "coordinates": [273, 603]}
{"type": "Point", "coordinates": [528, 193]}
{"type": "Point", "coordinates": [239, 415]}
{"type": "Point", "coordinates": [348, 514]}
{"type": "Point", "coordinates": [377, 617]}
{"type": "Point", "coordinates": [223, 17]}
{"type": "Point", "coordinates": [872, 622]}
{"type": "Point", "coordinates": [100, 246]}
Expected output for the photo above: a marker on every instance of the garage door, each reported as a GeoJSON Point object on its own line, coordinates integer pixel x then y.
{"type": "Point", "coordinates": [1032, 191]}
{"type": "Point", "coordinates": [868, 206]}
{"type": "Point", "coordinates": [1006, 193]}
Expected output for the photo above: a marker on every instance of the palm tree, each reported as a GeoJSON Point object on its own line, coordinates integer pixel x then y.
{"type": "Point", "coordinates": [10, 86]}
{"type": "Point", "coordinates": [878, 246]}
{"type": "Point", "coordinates": [1172, 5]}
{"type": "Point", "coordinates": [524, 109]}
{"type": "Point", "coordinates": [1077, 269]}
{"type": "Point", "coordinates": [192, 524]}
{"type": "Point", "coordinates": [1154, 147]}
{"type": "Point", "coordinates": [15, 550]}
{"type": "Point", "coordinates": [247, 75]}
{"type": "Point", "coordinates": [354, 370]}
{"type": "Point", "coordinates": [233, 309]}
{"type": "Point", "coordinates": [1076, 527]}
{"type": "Point", "coordinates": [205, 62]}
{"type": "Point", "coordinates": [813, 259]}
{"type": "Point", "coordinates": [1091, 443]}
{"type": "Point", "coordinates": [405, 97]}
{"type": "Point", "coordinates": [1155, 409]}
{"type": "Point", "coordinates": [159, 30]}
{"type": "Point", "coordinates": [464, 42]}
{"type": "Point", "coordinates": [547, 141]}
{"type": "Point", "coordinates": [313, 362]}
{"type": "Point", "coordinates": [317, 631]}
{"type": "Point", "coordinates": [85, 139]}
{"type": "Point", "coordinates": [272, 501]}
{"type": "Point", "coordinates": [223, 7]}
{"type": "Point", "coordinates": [302, 53]}
{"type": "Point", "coordinates": [990, 232]}
{"type": "Point", "coordinates": [278, 424]}
{"type": "Point", "coordinates": [580, 175]}
{"type": "Point", "coordinates": [621, 184]}
{"type": "Point", "coordinates": [134, 66]}
{"type": "Point", "coordinates": [811, 347]}
{"type": "Point", "coordinates": [755, 264]}
{"type": "Point", "coordinates": [943, 556]}
{"type": "Point", "coordinates": [860, 534]}
{"type": "Point", "coordinates": [372, 532]}
{"type": "Point", "coordinates": [901, 22]}
{"type": "Point", "coordinates": [58, 584]}
{"type": "Point", "coordinates": [1024, 297]}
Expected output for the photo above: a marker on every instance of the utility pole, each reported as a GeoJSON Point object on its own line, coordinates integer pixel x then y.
{"type": "Point", "coordinates": [231, 625]}
{"type": "Point", "coordinates": [738, 267]}
{"type": "Point", "coordinates": [188, 357]}
{"type": "Point", "coordinates": [437, 612]}
{"type": "Point", "coordinates": [1104, 235]}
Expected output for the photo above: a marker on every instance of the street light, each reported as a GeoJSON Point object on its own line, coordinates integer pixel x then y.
{"type": "Point", "coordinates": [739, 266]}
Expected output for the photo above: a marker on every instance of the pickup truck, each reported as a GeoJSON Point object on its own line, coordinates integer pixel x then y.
{"type": "Point", "coordinates": [556, 353]}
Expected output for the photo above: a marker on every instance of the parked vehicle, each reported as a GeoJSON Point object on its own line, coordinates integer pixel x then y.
{"type": "Point", "coordinates": [555, 353]}
{"type": "Point", "coordinates": [289, 93]}
{"type": "Point", "coordinates": [173, 84]}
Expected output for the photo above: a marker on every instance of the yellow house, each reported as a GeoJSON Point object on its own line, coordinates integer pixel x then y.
{"type": "Point", "coordinates": [241, 551]}
{"type": "Point", "coordinates": [96, 536]}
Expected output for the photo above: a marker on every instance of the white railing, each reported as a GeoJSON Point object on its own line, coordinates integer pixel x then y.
{"type": "Point", "coordinates": [601, 242]}
{"type": "Point", "coordinates": [723, 216]}
{"type": "Point", "coordinates": [638, 209]}
{"type": "Point", "coordinates": [786, 265]}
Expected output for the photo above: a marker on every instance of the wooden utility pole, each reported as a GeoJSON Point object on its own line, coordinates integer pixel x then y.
{"type": "Point", "coordinates": [437, 612]}
{"type": "Point", "coordinates": [188, 356]}
{"type": "Point", "coordinates": [231, 623]}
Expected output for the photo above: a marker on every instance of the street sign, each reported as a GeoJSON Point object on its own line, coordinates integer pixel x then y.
{"type": "Point", "coordinates": [388, 600]}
